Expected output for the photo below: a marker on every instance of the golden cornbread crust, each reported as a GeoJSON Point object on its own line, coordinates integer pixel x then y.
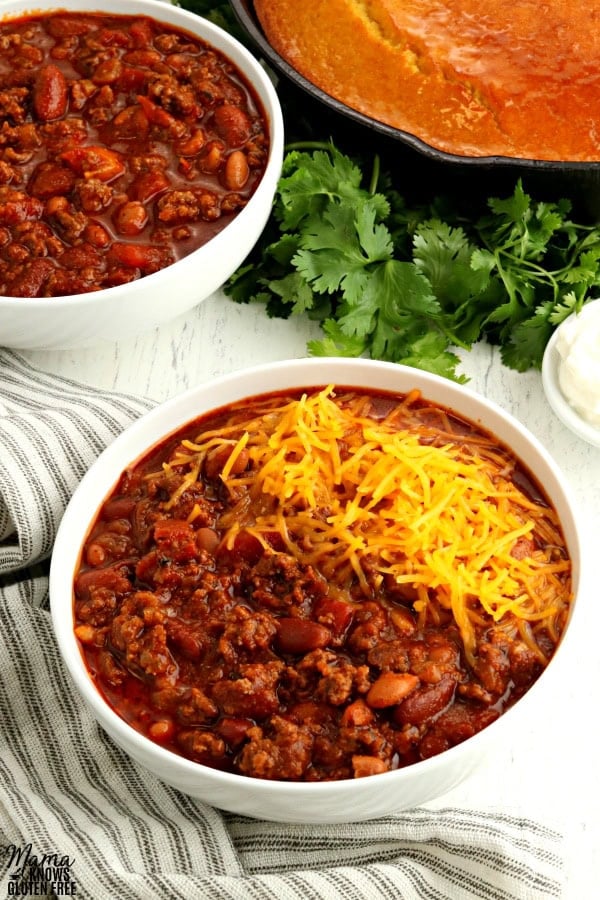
{"type": "Point", "coordinates": [469, 77]}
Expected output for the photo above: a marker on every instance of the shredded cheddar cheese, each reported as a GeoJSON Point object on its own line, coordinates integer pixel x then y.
{"type": "Point", "coordinates": [367, 500]}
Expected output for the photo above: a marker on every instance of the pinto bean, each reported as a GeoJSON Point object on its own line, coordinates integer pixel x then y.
{"type": "Point", "coordinates": [236, 171]}
{"type": "Point", "coordinates": [162, 730]}
{"type": "Point", "coordinates": [207, 539]}
{"type": "Point", "coordinates": [130, 218]}
{"type": "Point", "coordinates": [357, 714]}
{"type": "Point", "coordinates": [368, 765]}
{"type": "Point", "coordinates": [212, 157]}
{"type": "Point", "coordinates": [96, 235]}
{"type": "Point", "coordinates": [391, 688]}
{"type": "Point", "coordinates": [95, 554]}
{"type": "Point", "coordinates": [85, 633]}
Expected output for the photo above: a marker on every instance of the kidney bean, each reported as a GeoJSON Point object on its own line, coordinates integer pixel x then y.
{"type": "Point", "coordinates": [245, 547]}
{"type": "Point", "coordinates": [113, 577]}
{"type": "Point", "coordinates": [425, 703]}
{"type": "Point", "coordinates": [335, 613]}
{"type": "Point", "coordinates": [391, 688]}
{"type": "Point", "coordinates": [455, 725]}
{"type": "Point", "coordinates": [118, 508]}
{"type": "Point", "coordinates": [50, 93]}
{"type": "Point", "coordinates": [232, 124]}
{"type": "Point", "coordinates": [148, 259]}
{"type": "Point", "coordinates": [133, 81]}
{"type": "Point", "coordinates": [96, 235]}
{"type": "Point", "coordinates": [233, 730]}
{"type": "Point", "coordinates": [187, 643]}
{"type": "Point", "coordinates": [236, 171]}
{"type": "Point", "coordinates": [145, 59]}
{"type": "Point", "coordinates": [299, 636]}
{"type": "Point", "coordinates": [69, 25]}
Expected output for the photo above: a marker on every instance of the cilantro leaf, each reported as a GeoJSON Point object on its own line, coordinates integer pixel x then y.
{"type": "Point", "coordinates": [525, 347]}
{"type": "Point", "coordinates": [336, 343]}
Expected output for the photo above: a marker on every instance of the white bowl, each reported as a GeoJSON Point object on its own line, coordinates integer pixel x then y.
{"type": "Point", "coordinates": [125, 310]}
{"type": "Point", "coordinates": [335, 801]}
{"type": "Point", "coordinates": [564, 410]}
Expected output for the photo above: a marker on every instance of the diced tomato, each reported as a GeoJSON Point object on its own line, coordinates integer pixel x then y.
{"type": "Point", "coordinates": [94, 162]}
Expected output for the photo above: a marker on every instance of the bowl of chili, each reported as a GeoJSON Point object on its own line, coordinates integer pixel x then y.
{"type": "Point", "coordinates": [317, 590]}
{"type": "Point", "coordinates": [140, 151]}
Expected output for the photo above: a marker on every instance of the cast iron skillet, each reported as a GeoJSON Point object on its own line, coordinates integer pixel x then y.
{"type": "Point", "coordinates": [244, 12]}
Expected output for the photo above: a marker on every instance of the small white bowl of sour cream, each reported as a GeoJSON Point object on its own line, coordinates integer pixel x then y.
{"type": "Point", "coordinates": [571, 372]}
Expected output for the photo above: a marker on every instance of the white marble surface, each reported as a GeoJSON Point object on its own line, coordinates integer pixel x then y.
{"type": "Point", "coordinates": [553, 773]}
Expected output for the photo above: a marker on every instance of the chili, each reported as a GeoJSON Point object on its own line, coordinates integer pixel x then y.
{"type": "Point", "coordinates": [125, 144]}
{"type": "Point", "coordinates": [246, 641]}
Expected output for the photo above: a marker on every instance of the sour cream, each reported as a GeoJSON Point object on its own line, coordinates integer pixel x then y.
{"type": "Point", "coordinates": [578, 348]}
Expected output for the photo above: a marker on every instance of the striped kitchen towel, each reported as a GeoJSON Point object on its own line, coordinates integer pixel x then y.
{"type": "Point", "coordinates": [78, 817]}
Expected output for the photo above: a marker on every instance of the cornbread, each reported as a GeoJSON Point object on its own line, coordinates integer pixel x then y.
{"type": "Point", "coordinates": [469, 77]}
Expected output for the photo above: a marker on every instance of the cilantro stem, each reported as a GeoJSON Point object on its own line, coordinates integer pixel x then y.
{"type": "Point", "coordinates": [309, 145]}
{"type": "Point", "coordinates": [375, 174]}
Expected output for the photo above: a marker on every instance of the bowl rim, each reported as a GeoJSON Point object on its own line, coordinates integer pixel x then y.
{"type": "Point", "coordinates": [257, 77]}
{"type": "Point", "coordinates": [244, 12]}
{"type": "Point", "coordinates": [66, 552]}
{"type": "Point", "coordinates": [561, 407]}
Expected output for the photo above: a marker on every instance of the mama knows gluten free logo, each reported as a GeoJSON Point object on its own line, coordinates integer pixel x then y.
{"type": "Point", "coordinates": [30, 875]}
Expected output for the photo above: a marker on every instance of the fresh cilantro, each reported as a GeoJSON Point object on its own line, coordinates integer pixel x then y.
{"type": "Point", "coordinates": [405, 282]}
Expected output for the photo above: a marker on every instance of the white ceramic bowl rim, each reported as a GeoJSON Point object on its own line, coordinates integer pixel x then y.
{"type": "Point", "coordinates": [273, 376]}
{"type": "Point", "coordinates": [226, 44]}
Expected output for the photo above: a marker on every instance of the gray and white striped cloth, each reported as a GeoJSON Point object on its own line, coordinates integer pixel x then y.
{"type": "Point", "coordinates": [70, 798]}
